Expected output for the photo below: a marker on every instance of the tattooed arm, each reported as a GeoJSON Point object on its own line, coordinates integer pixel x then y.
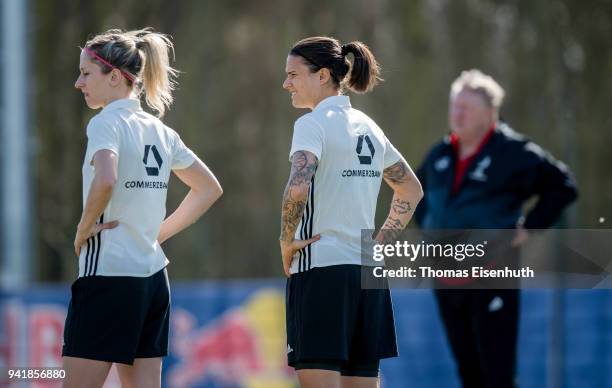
{"type": "Point", "coordinates": [407, 193]}
{"type": "Point", "coordinates": [303, 167]}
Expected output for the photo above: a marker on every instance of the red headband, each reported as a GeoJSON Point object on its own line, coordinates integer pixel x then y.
{"type": "Point", "coordinates": [92, 53]}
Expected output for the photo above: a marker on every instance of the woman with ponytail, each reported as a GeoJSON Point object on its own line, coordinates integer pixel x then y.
{"type": "Point", "coordinates": [120, 305]}
{"type": "Point", "coordinates": [337, 332]}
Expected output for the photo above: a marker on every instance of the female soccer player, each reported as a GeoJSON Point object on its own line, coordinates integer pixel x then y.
{"type": "Point", "coordinates": [120, 303]}
{"type": "Point", "coordinates": [337, 332]}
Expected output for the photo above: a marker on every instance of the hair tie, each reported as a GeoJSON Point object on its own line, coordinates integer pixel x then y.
{"type": "Point", "coordinates": [345, 50]}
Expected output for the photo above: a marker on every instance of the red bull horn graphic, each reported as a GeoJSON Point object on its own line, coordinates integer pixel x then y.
{"type": "Point", "coordinates": [244, 347]}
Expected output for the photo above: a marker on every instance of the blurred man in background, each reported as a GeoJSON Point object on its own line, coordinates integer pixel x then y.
{"type": "Point", "coordinates": [479, 177]}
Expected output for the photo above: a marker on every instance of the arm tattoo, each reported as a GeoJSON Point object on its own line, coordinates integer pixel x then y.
{"type": "Point", "coordinates": [303, 167]}
{"type": "Point", "coordinates": [400, 206]}
{"type": "Point", "coordinates": [391, 230]}
{"type": "Point", "coordinates": [393, 226]}
{"type": "Point", "coordinates": [393, 223]}
{"type": "Point", "coordinates": [397, 173]}
{"type": "Point", "coordinates": [398, 177]}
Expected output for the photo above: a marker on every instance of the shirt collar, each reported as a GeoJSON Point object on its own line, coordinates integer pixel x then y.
{"type": "Point", "coordinates": [341, 101]}
{"type": "Point", "coordinates": [123, 103]}
{"type": "Point", "coordinates": [454, 141]}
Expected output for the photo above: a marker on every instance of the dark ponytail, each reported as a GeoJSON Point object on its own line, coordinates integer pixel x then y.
{"type": "Point", "coordinates": [321, 52]}
{"type": "Point", "coordinates": [365, 70]}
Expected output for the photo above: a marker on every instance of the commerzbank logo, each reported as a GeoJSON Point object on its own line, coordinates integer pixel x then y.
{"type": "Point", "coordinates": [365, 153]}
{"type": "Point", "coordinates": [367, 157]}
{"type": "Point", "coordinates": [153, 162]}
{"type": "Point", "coordinates": [156, 160]}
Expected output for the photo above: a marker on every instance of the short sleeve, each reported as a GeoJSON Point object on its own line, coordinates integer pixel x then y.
{"type": "Point", "coordinates": [392, 155]}
{"type": "Point", "coordinates": [307, 136]}
{"type": "Point", "coordinates": [182, 157]}
{"type": "Point", "coordinates": [101, 135]}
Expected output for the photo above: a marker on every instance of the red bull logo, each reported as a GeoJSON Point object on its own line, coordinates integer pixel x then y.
{"type": "Point", "coordinates": [224, 351]}
{"type": "Point", "coordinates": [243, 347]}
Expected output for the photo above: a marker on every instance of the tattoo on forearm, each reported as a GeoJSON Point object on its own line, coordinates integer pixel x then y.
{"type": "Point", "coordinates": [393, 223]}
{"type": "Point", "coordinates": [397, 173]}
{"type": "Point", "coordinates": [291, 213]}
{"type": "Point", "coordinates": [303, 167]}
{"type": "Point", "coordinates": [391, 230]}
{"type": "Point", "coordinates": [400, 206]}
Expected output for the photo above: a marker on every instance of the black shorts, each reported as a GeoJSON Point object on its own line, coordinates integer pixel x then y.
{"type": "Point", "coordinates": [332, 323]}
{"type": "Point", "coordinates": [118, 318]}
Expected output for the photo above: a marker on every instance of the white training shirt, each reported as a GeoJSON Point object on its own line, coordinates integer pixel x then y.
{"type": "Point", "coordinates": [147, 151]}
{"type": "Point", "coordinates": [352, 152]}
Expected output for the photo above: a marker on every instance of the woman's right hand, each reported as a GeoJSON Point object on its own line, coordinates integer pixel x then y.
{"type": "Point", "coordinates": [83, 234]}
{"type": "Point", "coordinates": [289, 248]}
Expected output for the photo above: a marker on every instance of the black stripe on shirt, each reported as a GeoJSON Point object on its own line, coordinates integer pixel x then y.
{"type": "Point", "coordinates": [92, 253]}
{"type": "Point", "coordinates": [302, 264]}
{"type": "Point", "coordinates": [99, 237]}
{"type": "Point", "coordinates": [87, 257]}
{"type": "Point", "coordinates": [304, 233]}
{"type": "Point", "coordinates": [311, 195]}
{"type": "Point", "coordinates": [306, 236]}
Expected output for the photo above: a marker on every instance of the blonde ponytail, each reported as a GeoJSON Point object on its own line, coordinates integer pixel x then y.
{"type": "Point", "coordinates": [143, 56]}
{"type": "Point", "coordinates": [158, 80]}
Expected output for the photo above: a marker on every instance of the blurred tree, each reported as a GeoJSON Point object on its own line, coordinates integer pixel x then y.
{"type": "Point", "coordinates": [552, 57]}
